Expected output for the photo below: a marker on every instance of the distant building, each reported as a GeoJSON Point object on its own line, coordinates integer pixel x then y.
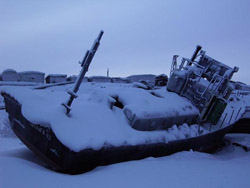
{"type": "Point", "coordinates": [72, 78]}
{"type": "Point", "coordinates": [99, 79]}
{"type": "Point", "coordinates": [10, 75]}
{"type": "Point", "coordinates": [32, 76]}
{"type": "Point", "coordinates": [119, 80]}
{"type": "Point", "coordinates": [146, 77]}
{"type": "Point", "coordinates": [56, 78]}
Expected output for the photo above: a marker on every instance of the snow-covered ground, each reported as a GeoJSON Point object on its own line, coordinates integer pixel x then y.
{"type": "Point", "coordinates": [229, 167]}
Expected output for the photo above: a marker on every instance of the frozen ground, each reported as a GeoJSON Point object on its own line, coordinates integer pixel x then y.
{"type": "Point", "coordinates": [228, 167]}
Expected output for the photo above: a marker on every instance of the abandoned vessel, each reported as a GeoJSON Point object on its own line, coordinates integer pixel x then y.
{"type": "Point", "coordinates": [110, 123]}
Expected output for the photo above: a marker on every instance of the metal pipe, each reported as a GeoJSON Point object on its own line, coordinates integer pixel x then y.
{"type": "Point", "coordinates": [85, 65]}
{"type": "Point", "coordinates": [198, 48]}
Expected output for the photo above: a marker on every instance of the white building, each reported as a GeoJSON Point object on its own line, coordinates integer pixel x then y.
{"type": "Point", "coordinates": [32, 76]}
{"type": "Point", "coordinates": [10, 75]}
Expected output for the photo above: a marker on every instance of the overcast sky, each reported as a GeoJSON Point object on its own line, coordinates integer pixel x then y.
{"type": "Point", "coordinates": [140, 36]}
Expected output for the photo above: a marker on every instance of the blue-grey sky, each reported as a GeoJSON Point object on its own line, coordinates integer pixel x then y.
{"type": "Point", "coordinates": [141, 36]}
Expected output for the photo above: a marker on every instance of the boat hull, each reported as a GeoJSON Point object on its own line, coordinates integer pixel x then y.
{"type": "Point", "coordinates": [242, 126]}
{"type": "Point", "coordinates": [43, 142]}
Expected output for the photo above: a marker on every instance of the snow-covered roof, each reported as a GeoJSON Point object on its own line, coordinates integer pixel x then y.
{"type": "Point", "coordinates": [31, 72]}
{"type": "Point", "coordinates": [9, 70]}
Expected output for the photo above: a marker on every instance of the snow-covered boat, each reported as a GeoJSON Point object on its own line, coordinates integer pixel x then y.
{"type": "Point", "coordinates": [114, 122]}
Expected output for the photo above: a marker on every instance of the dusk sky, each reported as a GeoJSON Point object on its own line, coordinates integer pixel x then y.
{"type": "Point", "coordinates": [140, 36]}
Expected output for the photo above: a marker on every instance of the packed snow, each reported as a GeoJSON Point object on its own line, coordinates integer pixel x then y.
{"type": "Point", "coordinates": [229, 167]}
{"type": "Point", "coordinates": [14, 83]}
